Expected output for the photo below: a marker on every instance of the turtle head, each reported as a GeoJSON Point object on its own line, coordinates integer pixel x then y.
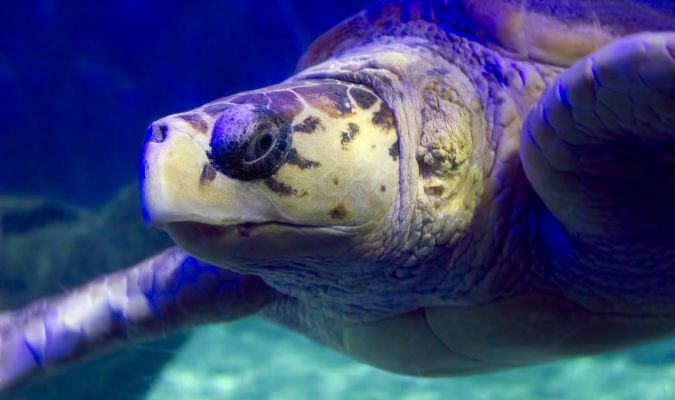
{"type": "Point", "coordinates": [288, 172]}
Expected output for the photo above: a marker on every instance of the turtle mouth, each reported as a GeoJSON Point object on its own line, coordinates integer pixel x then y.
{"type": "Point", "coordinates": [234, 244]}
{"type": "Point", "coordinates": [245, 243]}
{"type": "Point", "coordinates": [203, 230]}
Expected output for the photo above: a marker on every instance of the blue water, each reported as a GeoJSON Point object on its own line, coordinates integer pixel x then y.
{"type": "Point", "coordinates": [79, 83]}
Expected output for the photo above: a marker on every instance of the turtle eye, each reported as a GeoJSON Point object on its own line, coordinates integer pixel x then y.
{"type": "Point", "coordinates": [249, 145]}
{"type": "Point", "coordinates": [260, 144]}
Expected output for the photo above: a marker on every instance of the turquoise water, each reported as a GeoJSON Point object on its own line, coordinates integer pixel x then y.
{"type": "Point", "coordinates": [253, 359]}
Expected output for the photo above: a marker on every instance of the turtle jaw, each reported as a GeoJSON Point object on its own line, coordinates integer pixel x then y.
{"type": "Point", "coordinates": [258, 244]}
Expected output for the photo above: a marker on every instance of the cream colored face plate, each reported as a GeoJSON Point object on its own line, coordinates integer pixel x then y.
{"type": "Point", "coordinates": [344, 171]}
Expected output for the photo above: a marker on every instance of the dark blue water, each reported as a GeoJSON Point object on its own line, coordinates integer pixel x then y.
{"type": "Point", "coordinates": [80, 81]}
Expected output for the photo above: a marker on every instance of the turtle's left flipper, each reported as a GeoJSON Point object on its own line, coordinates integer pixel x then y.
{"type": "Point", "coordinates": [599, 146]}
{"type": "Point", "coordinates": [166, 292]}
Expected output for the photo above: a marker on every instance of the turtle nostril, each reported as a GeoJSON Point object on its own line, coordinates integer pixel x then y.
{"type": "Point", "coordinates": [156, 133]}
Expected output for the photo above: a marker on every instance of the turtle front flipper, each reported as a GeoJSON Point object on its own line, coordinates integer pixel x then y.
{"type": "Point", "coordinates": [599, 149]}
{"type": "Point", "coordinates": [166, 292]}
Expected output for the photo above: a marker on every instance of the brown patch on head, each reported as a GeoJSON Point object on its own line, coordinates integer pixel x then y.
{"type": "Point", "coordinates": [285, 104]}
{"type": "Point", "coordinates": [258, 99]}
{"type": "Point", "coordinates": [280, 187]}
{"type": "Point", "coordinates": [330, 98]}
{"type": "Point", "coordinates": [195, 121]}
{"type": "Point", "coordinates": [349, 135]}
{"type": "Point", "coordinates": [216, 109]}
{"type": "Point", "coordinates": [363, 98]}
{"type": "Point", "coordinates": [207, 176]}
{"type": "Point", "coordinates": [308, 125]}
{"type": "Point", "coordinates": [295, 159]}
{"type": "Point", "coordinates": [384, 117]}
{"type": "Point", "coordinates": [338, 212]}
{"type": "Point", "coordinates": [394, 151]}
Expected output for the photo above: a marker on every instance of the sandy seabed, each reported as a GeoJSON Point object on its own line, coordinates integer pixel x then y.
{"type": "Point", "coordinates": [253, 359]}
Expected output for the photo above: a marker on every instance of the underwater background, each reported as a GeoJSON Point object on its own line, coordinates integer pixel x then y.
{"type": "Point", "coordinates": [79, 83]}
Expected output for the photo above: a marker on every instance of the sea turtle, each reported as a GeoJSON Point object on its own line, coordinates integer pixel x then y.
{"type": "Point", "coordinates": [444, 187]}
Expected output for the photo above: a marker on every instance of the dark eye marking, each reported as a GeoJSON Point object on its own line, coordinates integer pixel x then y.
{"type": "Point", "coordinates": [383, 117]}
{"type": "Point", "coordinates": [349, 135]}
{"type": "Point", "coordinates": [309, 125]}
{"type": "Point", "coordinates": [295, 159]}
{"type": "Point", "coordinates": [394, 151]}
{"type": "Point", "coordinates": [280, 187]}
{"type": "Point", "coordinates": [207, 176]}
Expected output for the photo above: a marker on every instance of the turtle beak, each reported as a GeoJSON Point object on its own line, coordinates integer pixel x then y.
{"type": "Point", "coordinates": [178, 183]}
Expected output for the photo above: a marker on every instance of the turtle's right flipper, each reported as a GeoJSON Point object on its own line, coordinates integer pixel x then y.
{"type": "Point", "coordinates": [599, 150]}
{"type": "Point", "coordinates": [599, 145]}
{"type": "Point", "coordinates": [166, 292]}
